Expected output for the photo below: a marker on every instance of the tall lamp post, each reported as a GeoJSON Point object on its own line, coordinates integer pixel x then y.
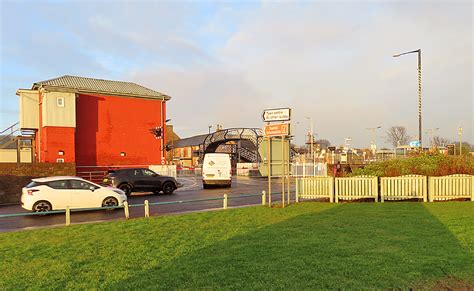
{"type": "Point", "coordinates": [419, 91]}
{"type": "Point", "coordinates": [372, 142]}
{"type": "Point", "coordinates": [312, 137]}
{"type": "Point", "coordinates": [460, 140]}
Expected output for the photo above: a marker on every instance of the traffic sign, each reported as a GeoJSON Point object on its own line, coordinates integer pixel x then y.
{"type": "Point", "coordinates": [278, 129]}
{"type": "Point", "coordinates": [415, 144]}
{"type": "Point", "coordinates": [279, 114]}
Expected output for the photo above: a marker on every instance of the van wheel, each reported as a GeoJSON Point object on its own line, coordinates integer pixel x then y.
{"type": "Point", "coordinates": [42, 206]}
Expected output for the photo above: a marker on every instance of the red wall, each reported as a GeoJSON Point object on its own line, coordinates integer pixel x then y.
{"type": "Point", "coordinates": [109, 125]}
{"type": "Point", "coordinates": [54, 139]}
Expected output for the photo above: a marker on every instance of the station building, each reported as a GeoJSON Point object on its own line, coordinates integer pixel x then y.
{"type": "Point", "coordinates": [94, 122]}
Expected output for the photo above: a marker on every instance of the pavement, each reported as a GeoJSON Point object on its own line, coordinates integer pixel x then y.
{"type": "Point", "coordinates": [191, 190]}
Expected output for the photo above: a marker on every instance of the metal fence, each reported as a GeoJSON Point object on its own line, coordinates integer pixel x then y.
{"type": "Point", "coordinates": [126, 207]}
{"type": "Point", "coordinates": [308, 169]}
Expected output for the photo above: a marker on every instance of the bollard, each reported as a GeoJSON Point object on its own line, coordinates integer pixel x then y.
{"type": "Point", "coordinates": [225, 201]}
{"type": "Point", "coordinates": [125, 209]}
{"type": "Point", "coordinates": [68, 216]}
{"type": "Point", "coordinates": [264, 198]}
{"type": "Point", "coordinates": [147, 209]}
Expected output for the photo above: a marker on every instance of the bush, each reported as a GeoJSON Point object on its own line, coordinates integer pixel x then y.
{"type": "Point", "coordinates": [423, 164]}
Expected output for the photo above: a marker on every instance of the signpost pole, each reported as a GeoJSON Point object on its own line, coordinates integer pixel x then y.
{"type": "Point", "coordinates": [269, 172]}
{"type": "Point", "coordinates": [282, 172]}
{"type": "Point", "coordinates": [288, 181]}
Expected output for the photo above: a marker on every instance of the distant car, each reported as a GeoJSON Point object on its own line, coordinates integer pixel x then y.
{"type": "Point", "coordinates": [140, 180]}
{"type": "Point", "coordinates": [54, 193]}
{"type": "Point", "coordinates": [216, 170]}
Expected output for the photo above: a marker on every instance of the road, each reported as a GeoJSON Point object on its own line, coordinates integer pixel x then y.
{"type": "Point", "coordinates": [191, 190]}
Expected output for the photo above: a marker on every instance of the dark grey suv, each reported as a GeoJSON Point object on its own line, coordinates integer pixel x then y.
{"type": "Point", "coordinates": [140, 180]}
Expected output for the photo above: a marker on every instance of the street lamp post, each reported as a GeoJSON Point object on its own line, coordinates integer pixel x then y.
{"type": "Point", "coordinates": [430, 132]}
{"type": "Point", "coordinates": [460, 140]}
{"type": "Point", "coordinates": [419, 91]}
{"type": "Point", "coordinates": [311, 136]}
{"type": "Point", "coordinates": [209, 126]}
{"type": "Point", "coordinates": [372, 142]}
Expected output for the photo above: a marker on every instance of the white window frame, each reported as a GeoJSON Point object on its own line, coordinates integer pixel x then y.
{"type": "Point", "coordinates": [60, 101]}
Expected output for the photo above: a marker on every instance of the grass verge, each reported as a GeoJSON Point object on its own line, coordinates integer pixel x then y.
{"type": "Point", "coordinates": [309, 245]}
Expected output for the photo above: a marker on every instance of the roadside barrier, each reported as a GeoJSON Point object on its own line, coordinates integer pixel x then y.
{"type": "Point", "coordinates": [403, 187]}
{"type": "Point", "coordinates": [126, 207]}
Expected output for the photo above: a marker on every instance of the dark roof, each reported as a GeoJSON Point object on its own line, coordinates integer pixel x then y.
{"type": "Point", "coordinates": [91, 85]}
{"type": "Point", "coordinates": [188, 142]}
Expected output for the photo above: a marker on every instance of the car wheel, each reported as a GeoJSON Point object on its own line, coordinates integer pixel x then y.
{"type": "Point", "coordinates": [168, 188]}
{"type": "Point", "coordinates": [42, 206]}
{"type": "Point", "coordinates": [126, 188]}
{"type": "Point", "coordinates": [110, 201]}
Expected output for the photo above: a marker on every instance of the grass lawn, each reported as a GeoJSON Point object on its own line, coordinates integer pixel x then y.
{"type": "Point", "coordinates": [304, 246]}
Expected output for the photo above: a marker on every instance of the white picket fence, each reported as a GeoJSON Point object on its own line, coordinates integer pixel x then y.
{"type": "Point", "coordinates": [315, 188]}
{"type": "Point", "coordinates": [451, 187]}
{"type": "Point", "coordinates": [391, 188]}
{"type": "Point", "coordinates": [403, 187]}
{"type": "Point", "coordinates": [356, 188]}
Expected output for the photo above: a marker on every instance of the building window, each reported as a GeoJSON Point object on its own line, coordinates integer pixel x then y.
{"type": "Point", "coordinates": [60, 101]}
{"type": "Point", "coordinates": [60, 153]}
{"type": "Point", "coordinates": [59, 160]}
{"type": "Point", "coordinates": [123, 154]}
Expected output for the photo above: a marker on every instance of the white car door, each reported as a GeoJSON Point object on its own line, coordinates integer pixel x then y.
{"type": "Point", "coordinates": [82, 194]}
{"type": "Point", "coordinates": [58, 194]}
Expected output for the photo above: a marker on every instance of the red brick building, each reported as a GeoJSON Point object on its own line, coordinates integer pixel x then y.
{"type": "Point", "coordinates": [94, 122]}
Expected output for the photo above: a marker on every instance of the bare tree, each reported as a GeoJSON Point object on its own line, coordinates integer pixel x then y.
{"type": "Point", "coordinates": [397, 135]}
{"type": "Point", "coordinates": [439, 141]}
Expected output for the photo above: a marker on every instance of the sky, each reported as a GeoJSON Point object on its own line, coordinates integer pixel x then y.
{"type": "Point", "coordinates": [225, 62]}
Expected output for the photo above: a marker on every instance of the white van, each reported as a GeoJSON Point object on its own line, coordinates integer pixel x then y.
{"type": "Point", "coordinates": [216, 170]}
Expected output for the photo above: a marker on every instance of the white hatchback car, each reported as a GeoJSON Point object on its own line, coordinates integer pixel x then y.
{"type": "Point", "coordinates": [53, 193]}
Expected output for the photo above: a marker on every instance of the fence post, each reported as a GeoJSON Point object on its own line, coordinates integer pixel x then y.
{"type": "Point", "coordinates": [68, 216]}
{"type": "Point", "coordinates": [125, 208]}
{"type": "Point", "coordinates": [431, 189]}
{"type": "Point", "coordinates": [425, 189]}
{"type": "Point", "coordinates": [225, 201]}
{"type": "Point", "coordinates": [147, 209]}
{"type": "Point", "coordinates": [297, 199]}
{"type": "Point", "coordinates": [264, 198]}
